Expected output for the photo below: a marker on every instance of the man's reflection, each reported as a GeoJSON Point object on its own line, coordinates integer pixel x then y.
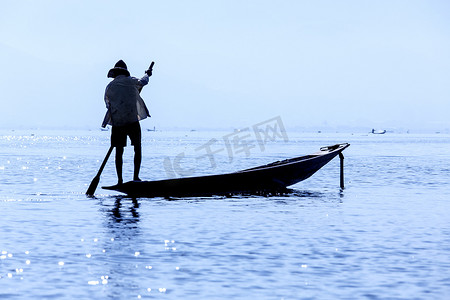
{"type": "Point", "coordinates": [127, 215]}
{"type": "Point", "coordinates": [124, 240]}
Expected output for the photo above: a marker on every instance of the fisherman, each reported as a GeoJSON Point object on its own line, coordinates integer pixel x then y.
{"type": "Point", "coordinates": [125, 109]}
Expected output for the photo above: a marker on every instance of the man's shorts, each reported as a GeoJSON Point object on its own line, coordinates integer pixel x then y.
{"type": "Point", "coordinates": [119, 135]}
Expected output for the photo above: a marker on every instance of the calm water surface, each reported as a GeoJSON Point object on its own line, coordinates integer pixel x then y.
{"type": "Point", "coordinates": [386, 236]}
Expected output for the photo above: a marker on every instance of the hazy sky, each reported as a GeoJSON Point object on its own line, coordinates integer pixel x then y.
{"type": "Point", "coordinates": [381, 64]}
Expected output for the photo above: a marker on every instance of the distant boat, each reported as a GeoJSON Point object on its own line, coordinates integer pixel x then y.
{"type": "Point", "coordinates": [266, 179]}
{"type": "Point", "coordinates": [154, 129]}
{"type": "Point", "coordinates": [378, 131]}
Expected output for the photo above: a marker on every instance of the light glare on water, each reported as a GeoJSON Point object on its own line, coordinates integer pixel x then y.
{"type": "Point", "coordinates": [385, 236]}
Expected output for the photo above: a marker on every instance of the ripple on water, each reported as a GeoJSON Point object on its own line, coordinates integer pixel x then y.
{"type": "Point", "coordinates": [384, 236]}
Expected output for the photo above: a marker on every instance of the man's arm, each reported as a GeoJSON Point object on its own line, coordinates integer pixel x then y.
{"type": "Point", "coordinates": [144, 80]}
{"type": "Point", "coordinates": [107, 118]}
{"type": "Point", "coordinates": [106, 97]}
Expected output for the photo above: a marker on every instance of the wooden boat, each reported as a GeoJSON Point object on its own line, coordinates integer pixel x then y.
{"type": "Point", "coordinates": [266, 179]}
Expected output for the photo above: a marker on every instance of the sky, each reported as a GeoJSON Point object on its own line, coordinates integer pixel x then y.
{"type": "Point", "coordinates": [229, 64]}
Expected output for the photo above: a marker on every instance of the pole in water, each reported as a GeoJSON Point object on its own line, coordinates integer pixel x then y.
{"type": "Point", "coordinates": [341, 156]}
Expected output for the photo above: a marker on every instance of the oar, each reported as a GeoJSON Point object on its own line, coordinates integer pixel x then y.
{"type": "Point", "coordinates": [95, 181]}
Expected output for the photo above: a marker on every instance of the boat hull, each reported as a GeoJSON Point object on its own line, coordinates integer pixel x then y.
{"type": "Point", "coordinates": [271, 178]}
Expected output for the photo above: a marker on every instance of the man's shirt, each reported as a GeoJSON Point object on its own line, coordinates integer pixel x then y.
{"type": "Point", "coordinates": [124, 102]}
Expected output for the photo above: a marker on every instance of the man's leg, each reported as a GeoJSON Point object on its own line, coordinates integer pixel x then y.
{"type": "Point", "coordinates": [137, 161]}
{"type": "Point", "coordinates": [119, 163]}
{"type": "Point", "coordinates": [136, 137]}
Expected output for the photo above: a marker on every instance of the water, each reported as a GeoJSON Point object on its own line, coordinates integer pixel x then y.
{"type": "Point", "coordinates": [386, 236]}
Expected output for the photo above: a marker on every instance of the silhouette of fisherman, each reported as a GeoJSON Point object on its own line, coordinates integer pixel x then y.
{"type": "Point", "coordinates": [125, 109]}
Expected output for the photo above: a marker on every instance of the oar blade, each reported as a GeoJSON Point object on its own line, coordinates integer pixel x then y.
{"type": "Point", "coordinates": [96, 180]}
{"type": "Point", "coordinates": [93, 186]}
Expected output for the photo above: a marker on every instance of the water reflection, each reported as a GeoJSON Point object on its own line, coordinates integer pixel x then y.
{"type": "Point", "coordinates": [123, 246]}
{"type": "Point", "coordinates": [303, 193]}
{"type": "Point", "coordinates": [127, 215]}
